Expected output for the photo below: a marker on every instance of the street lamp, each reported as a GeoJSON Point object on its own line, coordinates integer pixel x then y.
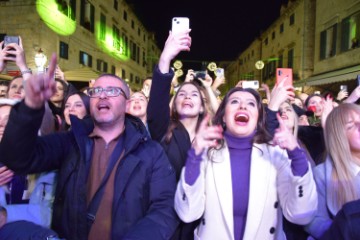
{"type": "Point", "coordinates": [40, 60]}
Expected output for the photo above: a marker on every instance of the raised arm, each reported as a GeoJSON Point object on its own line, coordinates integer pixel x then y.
{"type": "Point", "coordinates": [158, 111]}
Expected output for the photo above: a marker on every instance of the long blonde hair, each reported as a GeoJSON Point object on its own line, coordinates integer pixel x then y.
{"type": "Point", "coordinates": [342, 186]}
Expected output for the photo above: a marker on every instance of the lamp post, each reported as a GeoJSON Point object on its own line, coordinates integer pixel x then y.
{"type": "Point", "coordinates": [40, 60]}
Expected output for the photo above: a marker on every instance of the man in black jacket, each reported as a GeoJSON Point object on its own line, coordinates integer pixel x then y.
{"type": "Point", "coordinates": [114, 182]}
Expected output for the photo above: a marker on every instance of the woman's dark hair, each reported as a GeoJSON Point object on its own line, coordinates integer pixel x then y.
{"type": "Point", "coordinates": [310, 96]}
{"type": "Point", "coordinates": [174, 116]}
{"type": "Point", "coordinates": [261, 135]}
{"type": "Point", "coordinates": [84, 98]}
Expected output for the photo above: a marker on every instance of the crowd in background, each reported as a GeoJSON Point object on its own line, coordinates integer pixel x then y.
{"type": "Point", "coordinates": [176, 160]}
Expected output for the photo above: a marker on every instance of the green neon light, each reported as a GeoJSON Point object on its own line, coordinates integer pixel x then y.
{"type": "Point", "coordinates": [57, 21]}
{"type": "Point", "coordinates": [105, 41]}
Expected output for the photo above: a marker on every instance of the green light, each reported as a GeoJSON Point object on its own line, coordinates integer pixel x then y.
{"type": "Point", "coordinates": [106, 43]}
{"type": "Point", "coordinates": [54, 19]}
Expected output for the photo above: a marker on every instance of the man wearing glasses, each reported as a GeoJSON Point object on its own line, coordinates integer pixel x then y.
{"type": "Point", "coordinates": [114, 182]}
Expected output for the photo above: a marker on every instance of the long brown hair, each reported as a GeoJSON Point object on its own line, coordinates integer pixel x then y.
{"type": "Point", "coordinates": [174, 115]}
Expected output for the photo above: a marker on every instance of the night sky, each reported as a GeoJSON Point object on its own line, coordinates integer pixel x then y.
{"type": "Point", "coordinates": [220, 29]}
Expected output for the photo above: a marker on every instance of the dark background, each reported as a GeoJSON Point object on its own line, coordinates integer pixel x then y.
{"type": "Point", "coordinates": [221, 30]}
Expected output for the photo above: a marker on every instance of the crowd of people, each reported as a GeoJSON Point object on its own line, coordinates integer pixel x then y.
{"type": "Point", "coordinates": [174, 160]}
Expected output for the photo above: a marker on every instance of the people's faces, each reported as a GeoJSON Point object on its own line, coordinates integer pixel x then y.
{"type": "Point", "coordinates": [188, 102]}
{"type": "Point", "coordinates": [353, 132]}
{"type": "Point", "coordinates": [108, 110]}
{"type": "Point", "coordinates": [241, 114]}
{"type": "Point", "coordinates": [74, 106]}
{"type": "Point", "coordinates": [288, 115]}
{"type": "Point", "coordinates": [137, 105]}
{"type": "Point", "coordinates": [3, 91]}
{"type": "Point", "coordinates": [4, 117]}
{"type": "Point", "coordinates": [318, 102]}
{"type": "Point", "coordinates": [16, 89]}
{"type": "Point", "coordinates": [59, 94]}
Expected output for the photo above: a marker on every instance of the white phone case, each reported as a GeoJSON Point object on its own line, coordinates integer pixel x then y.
{"type": "Point", "coordinates": [179, 24]}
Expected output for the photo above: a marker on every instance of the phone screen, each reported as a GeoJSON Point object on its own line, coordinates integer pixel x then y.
{"type": "Point", "coordinates": [284, 74]}
{"type": "Point", "coordinates": [358, 80]}
{"type": "Point", "coordinates": [180, 24]}
{"type": "Point", "coordinates": [11, 39]}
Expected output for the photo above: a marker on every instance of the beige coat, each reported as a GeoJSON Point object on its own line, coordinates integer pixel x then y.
{"type": "Point", "coordinates": [273, 188]}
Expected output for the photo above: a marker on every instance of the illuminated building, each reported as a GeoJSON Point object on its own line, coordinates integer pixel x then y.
{"type": "Point", "coordinates": [104, 35]}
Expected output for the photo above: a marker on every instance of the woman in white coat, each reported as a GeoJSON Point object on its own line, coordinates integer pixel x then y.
{"type": "Point", "coordinates": [242, 185]}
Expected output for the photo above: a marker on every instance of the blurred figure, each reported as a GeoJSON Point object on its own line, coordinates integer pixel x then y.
{"type": "Point", "coordinates": [337, 178]}
{"type": "Point", "coordinates": [24, 197]}
{"type": "Point", "coordinates": [4, 86]}
{"type": "Point", "coordinates": [147, 86]}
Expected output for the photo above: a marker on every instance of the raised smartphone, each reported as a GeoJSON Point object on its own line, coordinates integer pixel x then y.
{"type": "Point", "coordinates": [343, 88]}
{"type": "Point", "coordinates": [254, 84]}
{"type": "Point", "coordinates": [284, 74]}
{"type": "Point", "coordinates": [180, 24]}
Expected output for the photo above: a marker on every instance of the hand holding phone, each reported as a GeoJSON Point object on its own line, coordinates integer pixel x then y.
{"type": "Point", "coordinates": [180, 25]}
{"type": "Point", "coordinates": [284, 75]}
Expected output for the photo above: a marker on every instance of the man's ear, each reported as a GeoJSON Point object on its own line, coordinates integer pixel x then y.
{"type": "Point", "coordinates": [127, 105]}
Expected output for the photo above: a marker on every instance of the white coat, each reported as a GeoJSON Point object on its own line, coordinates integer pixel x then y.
{"type": "Point", "coordinates": [273, 190]}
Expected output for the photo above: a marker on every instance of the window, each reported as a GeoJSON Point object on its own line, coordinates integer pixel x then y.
{"type": "Point", "coordinates": [131, 77]}
{"type": "Point", "coordinates": [144, 37]}
{"type": "Point", "coordinates": [328, 42]}
{"type": "Point", "coordinates": [291, 58]}
{"type": "Point", "coordinates": [116, 4]}
{"type": "Point", "coordinates": [123, 74]}
{"type": "Point", "coordinates": [273, 35]}
{"type": "Point", "coordinates": [101, 65]}
{"type": "Point", "coordinates": [87, 15]}
{"type": "Point", "coordinates": [125, 15]}
{"type": "Point", "coordinates": [281, 28]}
{"type": "Point", "coordinates": [138, 54]}
{"type": "Point", "coordinates": [64, 50]}
{"type": "Point", "coordinates": [116, 38]}
{"type": "Point", "coordinates": [132, 24]}
{"type": "Point", "coordinates": [113, 69]}
{"type": "Point", "coordinates": [85, 59]}
{"type": "Point", "coordinates": [292, 19]}
{"type": "Point", "coordinates": [144, 59]}
{"type": "Point", "coordinates": [350, 32]}
{"type": "Point", "coordinates": [266, 41]}
{"type": "Point", "coordinates": [139, 32]}
{"type": "Point", "coordinates": [67, 7]}
{"type": "Point", "coordinates": [252, 53]}
{"type": "Point", "coordinates": [137, 80]}
{"type": "Point", "coordinates": [126, 45]}
{"type": "Point", "coordinates": [102, 27]}
{"type": "Point", "coordinates": [280, 62]}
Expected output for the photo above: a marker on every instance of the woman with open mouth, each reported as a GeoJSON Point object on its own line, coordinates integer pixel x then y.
{"type": "Point", "coordinates": [238, 180]}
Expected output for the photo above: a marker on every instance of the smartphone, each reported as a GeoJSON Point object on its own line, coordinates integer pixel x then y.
{"type": "Point", "coordinates": [200, 74]}
{"type": "Point", "coordinates": [219, 72]}
{"type": "Point", "coordinates": [254, 84]}
{"type": "Point", "coordinates": [284, 74]}
{"type": "Point", "coordinates": [11, 39]}
{"type": "Point", "coordinates": [343, 88]}
{"type": "Point", "coordinates": [358, 80]}
{"type": "Point", "coordinates": [180, 24]}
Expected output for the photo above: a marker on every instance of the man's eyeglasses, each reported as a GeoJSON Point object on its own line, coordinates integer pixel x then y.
{"type": "Point", "coordinates": [95, 92]}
